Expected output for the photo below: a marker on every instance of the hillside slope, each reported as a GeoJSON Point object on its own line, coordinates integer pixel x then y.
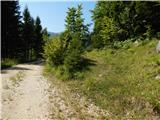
{"type": "Point", "coordinates": [124, 81]}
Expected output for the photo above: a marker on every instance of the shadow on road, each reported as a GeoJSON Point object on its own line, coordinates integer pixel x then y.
{"type": "Point", "coordinates": [39, 62]}
{"type": "Point", "coordinates": [4, 71]}
{"type": "Point", "coordinates": [19, 68]}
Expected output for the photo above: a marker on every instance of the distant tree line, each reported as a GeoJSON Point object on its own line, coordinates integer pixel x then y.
{"type": "Point", "coordinates": [22, 36]}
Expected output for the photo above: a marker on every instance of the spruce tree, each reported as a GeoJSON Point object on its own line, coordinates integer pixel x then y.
{"type": "Point", "coordinates": [75, 27]}
{"type": "Point", "coordinates": [32, 44]}
{"type": "Point", "coordinates": [10, 29]}
{"type": "Point", "coordinates": [69, 26]}
{"type": "Point", "coordinates": [39, 38]}
{"type": "Point", "coordinates": [75, 37]}
{"type": "Point", "coordinates": [81, 29]}
{"type": "Point", "coordinates": [28, 34]}
{"type": "Point", "coordinates": [45, 35]}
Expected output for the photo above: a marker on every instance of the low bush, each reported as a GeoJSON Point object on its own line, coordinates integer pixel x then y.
{"type": "Point", "coordinates": [54, 52]}
{"type": "Point", "coordinates": [66, 61]}
{"type": "Point", "coordinates": [158, 35]}
{"type": "Point", "coordinates": [5, 63]}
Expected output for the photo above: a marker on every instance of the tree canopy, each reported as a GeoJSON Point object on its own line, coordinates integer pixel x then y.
{"type": "Point", "coordinates": [22, 39]}
{"type": "Point", "coordinates": [123, 20]}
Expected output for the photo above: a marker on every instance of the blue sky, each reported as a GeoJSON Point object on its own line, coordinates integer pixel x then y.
{"type": "Point", "coordinates": [52, 14]}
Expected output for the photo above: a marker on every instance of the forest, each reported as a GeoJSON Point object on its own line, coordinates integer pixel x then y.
{"type": "Point", "coordinates": [116, 65]}
{"type": "Point", "coordinates": [22, 36]}
{"type": "Point", "coordinates": [24, 39]}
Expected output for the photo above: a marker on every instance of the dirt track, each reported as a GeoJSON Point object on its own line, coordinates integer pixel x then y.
{"type": "Point", "coordinates": [26, 94]}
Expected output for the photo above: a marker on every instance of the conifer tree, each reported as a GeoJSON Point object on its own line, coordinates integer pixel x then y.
{"type": "Point", "coordinates": [81, 29]}
{"type": "Point", "coordinates": [123, 20]}
{"type": "Point", "coordinates": [75, 37]}
{"type": "Point", "coordinates": [10, 29]}
{"type": "Point", "coordinates": [39, 37]}
{"type": "Point", "coordinates": [45, 35]}
{"type": "Point", "coordinates": [28, 34]}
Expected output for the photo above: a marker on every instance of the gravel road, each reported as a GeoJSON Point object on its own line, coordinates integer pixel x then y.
{"type": "Point", "coordinates": [26, 94]}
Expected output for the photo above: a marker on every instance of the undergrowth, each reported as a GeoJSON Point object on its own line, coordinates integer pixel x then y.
{"type": "Point", "coordinates": [5, 63]}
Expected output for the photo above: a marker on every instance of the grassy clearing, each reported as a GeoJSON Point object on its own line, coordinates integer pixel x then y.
{"type": "Point", "coordinates": [123, 81]}
{"type": "Point", "coordinates": [8, 63]}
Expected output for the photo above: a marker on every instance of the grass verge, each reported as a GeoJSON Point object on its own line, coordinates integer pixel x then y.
{"type": "Point", "coordinates": [5, 63]}
{"type": "Point", "coordinates": [123, 81]}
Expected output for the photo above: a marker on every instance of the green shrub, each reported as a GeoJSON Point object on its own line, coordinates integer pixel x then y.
{"type": "Point", "coordinates": [117, 45]}
{"type": "Point", "coordinates": [149, 32]}
{"type": "Point", "coordinates": [54, 52]}
{"type": "Point", "coordinates": [79, 75]}
{"type": "Point", "coordinates": [66, 60]}
{"type": "Point", "coordinates": [158, 35]}
{"type": "Point", "coordinates": [62, 73]}
{"type": "Point", "coordinates": [8, 63]}
{"type": "Point", "coordinates": [73, 61]}
{"type": "Point", "coordinates": [123, 44]}
{"type": "Point", "coordinates": [127, 44]}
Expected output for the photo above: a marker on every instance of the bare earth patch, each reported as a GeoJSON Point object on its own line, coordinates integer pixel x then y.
{"type": "Point", "coordinates": [26, 94]}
